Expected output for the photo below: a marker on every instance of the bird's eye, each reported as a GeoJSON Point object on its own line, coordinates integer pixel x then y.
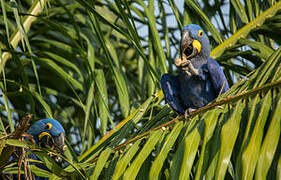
{"type": "Point", "coordinates": [200, 33]}
{"type": "Point", "coordinates": [48, 126]}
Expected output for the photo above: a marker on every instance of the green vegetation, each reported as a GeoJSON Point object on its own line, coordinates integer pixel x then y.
{"type": "Point", "coordinates": [95, 66]}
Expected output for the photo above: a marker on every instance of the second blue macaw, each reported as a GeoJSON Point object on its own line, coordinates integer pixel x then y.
{"type": "Point", "coordinates": [47, 133]}
{"type": "Point", "coordinates": [200, 79]}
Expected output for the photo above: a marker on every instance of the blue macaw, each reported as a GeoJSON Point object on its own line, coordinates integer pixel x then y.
{"type": "Point", "coordinates": [200, 79]}
{"type": "Point", "coordinates": [47, 133]}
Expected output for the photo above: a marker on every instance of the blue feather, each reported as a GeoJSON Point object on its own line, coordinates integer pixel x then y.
{"type": "Point", "coordinates": [54, 129]}
{"type": "Point", "coordinates": [190, 90]}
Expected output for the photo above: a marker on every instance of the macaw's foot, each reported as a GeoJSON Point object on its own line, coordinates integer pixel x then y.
{"type": "Point", "coordinates": [188, 111]}
{"type": "Point", "coordinates": [187, 66]}
{"type": "Point", "coordinates": [193, 70]}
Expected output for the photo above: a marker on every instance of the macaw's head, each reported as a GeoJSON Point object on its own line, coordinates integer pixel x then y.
{"type": "Point", "coordinates": [194, 43]}
{"type": "Point", "coordinates": [48, 133]}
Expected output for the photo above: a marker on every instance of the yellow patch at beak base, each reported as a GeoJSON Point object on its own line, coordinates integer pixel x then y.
{"type": "Point", "coordinates": [44, 134]}
{"type": "Point", "coordinates": [196, 44]}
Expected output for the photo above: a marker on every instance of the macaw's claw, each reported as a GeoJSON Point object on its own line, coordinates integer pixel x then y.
{"type": "Point", "coordinates": [187, 66]}
{"type": "Point", "coordinates": [188, 111]}
{"type": "Point", "coordinates": [186, 70]}
{"type": "Point", "coordinates": [190, 68]}
{"type": "Point", "coordinates": [178, 62]}
{"type": "Point", "coordinates": [193, 70]}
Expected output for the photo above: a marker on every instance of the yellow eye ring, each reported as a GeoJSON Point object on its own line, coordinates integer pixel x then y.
{"type": "Point", "coordinates": [200, 33]}
{"type": "Point", "coordinates": [48, 126]}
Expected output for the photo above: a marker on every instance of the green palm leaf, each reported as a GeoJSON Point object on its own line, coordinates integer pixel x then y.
{"type": "Point", "coordinates": [95, 66]}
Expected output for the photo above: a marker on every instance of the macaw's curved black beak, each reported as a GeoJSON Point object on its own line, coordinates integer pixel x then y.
{"type": "Point", "coordinates": [56, 143]}
{"type": "Point", "coordinates": [189, 47]}
{"type": "Point", "coordinates": [59, 143]}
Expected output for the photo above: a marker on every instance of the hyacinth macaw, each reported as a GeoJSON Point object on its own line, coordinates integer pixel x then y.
{"type": "Point", "coordinates": [200, 79]}
{"type": "Point", "coordinates": [47, 133]}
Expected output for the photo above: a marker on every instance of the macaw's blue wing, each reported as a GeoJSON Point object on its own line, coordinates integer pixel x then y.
{"type": "Point", "coordinates": [170, 86]}
{"type": "Point", "coordinates": [218, 78]}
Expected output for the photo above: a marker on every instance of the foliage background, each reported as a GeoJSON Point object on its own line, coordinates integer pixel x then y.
{"type": "Point", "coordinates": [95, 66]}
